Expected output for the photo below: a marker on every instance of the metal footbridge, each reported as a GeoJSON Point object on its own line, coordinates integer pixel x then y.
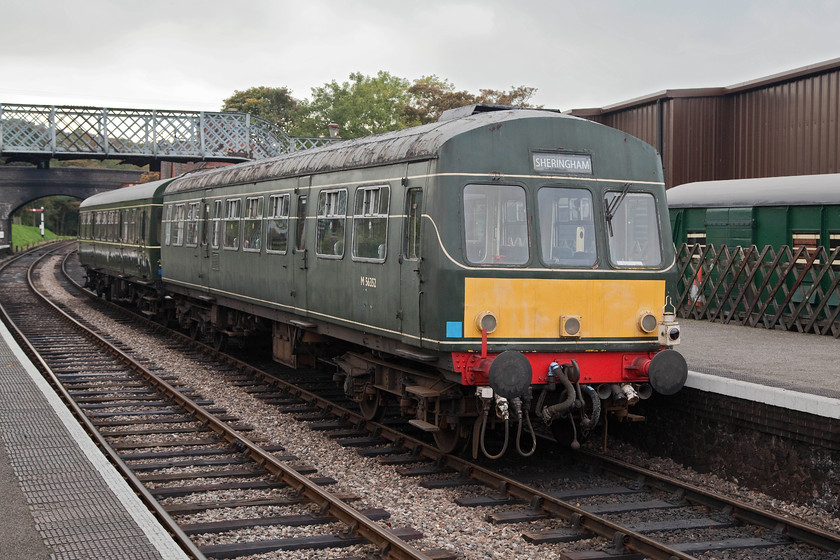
{"type": "Point", "coordinates": [37, 133]}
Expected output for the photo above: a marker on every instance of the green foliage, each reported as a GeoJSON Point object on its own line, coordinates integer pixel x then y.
{"type": "Point", "coordinates": [61, 214]}
{"type": "Point", "coordinates": [431, 96]}
{"type": "Point", "coordinates": [94, 164]}
{"type": "Point", "coordinates": [362, 106]}
{"type": "Point", "coordinates": [28, 235]}
{"type": "Point", "coordinates": [366, 105]}
{"type": "Point", "coordinates": [272, 104]}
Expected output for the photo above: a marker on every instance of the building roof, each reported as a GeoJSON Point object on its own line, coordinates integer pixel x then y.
{"type": "Point", "coordinates": [797, 190]}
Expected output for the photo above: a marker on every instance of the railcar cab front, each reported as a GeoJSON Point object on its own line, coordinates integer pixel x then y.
{"type": "Point", "coordinates": [565, 279]}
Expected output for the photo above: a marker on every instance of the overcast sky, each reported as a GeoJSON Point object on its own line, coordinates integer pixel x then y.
{"type": "Point", "coordinates": [187, 54]}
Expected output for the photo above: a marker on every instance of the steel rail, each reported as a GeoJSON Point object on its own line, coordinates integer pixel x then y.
{"type": "Point", "coordinates": [539, 500]}
{"type": "Point", "coordinates": [742, 511]}
{"type": "Point", "coordinates": [551, 505]}
{"type": "Point", "coordinates": [389, 545]}
{"type": "Point", "coordinates": [186, 544]}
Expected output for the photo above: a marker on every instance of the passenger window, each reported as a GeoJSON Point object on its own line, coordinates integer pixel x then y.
{"type": "Point", "coordinates": [496, 228]}
{"type": "Point", "coordinates": [232, 223]}
{"type": "Point", "coordinates": [216, 238]}
{"type": "Point", "coordinates": [252, 224]}
{"type": "Point", "coordinates": [370, 223]}
{"type": "Point", "coordinates": [277, 229]}
{"type": "Point", "coordinates": [192, 224]}
{"type": "Point", "coordinates": [567, 226]}
{"type": "Point", "coordinates": [132, 226]}
{"type": "Point", "coordinates": [413, 217]}
{"type": "Point", "coordinates": [332, 213]}
{"type": "Point", "coordinates": [633, 229]}
{"type": "Point", "coordinates": [124, 222]}
{"type": "Point", "coordinates": [178, 225]}
{"type": "Point", "coordinates": [167, 220]}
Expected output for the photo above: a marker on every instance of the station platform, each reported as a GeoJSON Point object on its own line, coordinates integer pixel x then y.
{"type": "Point", "coordinates": [61, 498]}
{"type": "Point", "coordinates": [780, 368]}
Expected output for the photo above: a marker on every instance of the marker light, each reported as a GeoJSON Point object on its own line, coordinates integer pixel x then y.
{"type": "Point", "coordinates": [570, 326]}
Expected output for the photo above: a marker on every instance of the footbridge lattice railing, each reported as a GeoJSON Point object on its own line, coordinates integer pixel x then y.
{"type": "Point", "coordinates": [793, 288]}
{"type": "Point", "coordinates": [49, 131]}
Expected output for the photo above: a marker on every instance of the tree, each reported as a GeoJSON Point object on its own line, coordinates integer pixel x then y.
{"type": "Point", "coordinates": [362, 106]}
{"type": "Point", "coordinates": [61, 214]}
{"type": "Point", "coordinates": [518, 96]}
{"type": "Point", "coordinates": [431, 96]}
{"type": "Point", "coordinates": [366, 105]}
{"type": "Point", "coordinates": [270, 103]}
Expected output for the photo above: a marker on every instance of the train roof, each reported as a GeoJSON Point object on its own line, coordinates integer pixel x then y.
{"type": "Point", "coordinates": [153, 189]}
{"type": "Point", "coordinates": [409, 144]}
{"type": "Point", "coordinates": [797, 190]}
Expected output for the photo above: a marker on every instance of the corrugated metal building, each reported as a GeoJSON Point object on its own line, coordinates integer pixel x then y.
{"type": "Point", "coordinates": [785, 124]}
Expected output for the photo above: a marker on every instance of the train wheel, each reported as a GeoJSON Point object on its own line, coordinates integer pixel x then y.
{"type": "Point", "coordinates": [371, 404]}
{"type": "Point", "coordinates": [449, 439]}
{"type": "Point", "coordinates": [219, 341]}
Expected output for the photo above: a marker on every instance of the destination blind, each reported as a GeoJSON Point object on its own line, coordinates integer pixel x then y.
{"type": "Point", "coordinates": [547, 162]}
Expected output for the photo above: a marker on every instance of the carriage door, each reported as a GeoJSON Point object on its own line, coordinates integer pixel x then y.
{"type": "Point", "coordinates": [411, 286]}
{"type": "Point", "coordinates": [302, 254]}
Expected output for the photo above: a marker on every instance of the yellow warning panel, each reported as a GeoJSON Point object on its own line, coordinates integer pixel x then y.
{"type": "Point", "coordinates": [532, 308]}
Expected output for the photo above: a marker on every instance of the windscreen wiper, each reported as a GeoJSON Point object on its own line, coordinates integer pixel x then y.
{"type": "Point", "coordinates": [612, 206]}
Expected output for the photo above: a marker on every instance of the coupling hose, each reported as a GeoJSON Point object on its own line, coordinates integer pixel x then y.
{"type": "Point", "coordinates": [555, 410]}
{"type": "Point", "coordinates": [485, 413]}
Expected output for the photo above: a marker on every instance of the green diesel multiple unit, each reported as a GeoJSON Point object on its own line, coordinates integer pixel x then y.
{"type": "Point", "coordinates": [802, 210]}
{"type": "Point", "coordinates": [499, 259]}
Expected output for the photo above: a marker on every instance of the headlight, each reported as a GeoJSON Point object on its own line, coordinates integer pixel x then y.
{"type": "Point", "coordinates": [486, 320]}
{"type": "Point", "coordinates": [647, 322]}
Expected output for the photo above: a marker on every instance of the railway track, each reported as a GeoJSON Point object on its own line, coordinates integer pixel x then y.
{"type": "Point", "coordinates": [564, 507]}
{"type": "Point", "coordinates": [180, 453]}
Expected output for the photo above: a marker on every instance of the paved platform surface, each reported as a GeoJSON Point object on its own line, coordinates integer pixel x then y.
{"type": "Point", "coordinates": [789, 369]}
{"type": "Point", "coordinates": [59, 496]}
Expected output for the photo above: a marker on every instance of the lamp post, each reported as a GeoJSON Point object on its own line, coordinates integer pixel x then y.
{"type": "Point", "coordinates": [333, 128]}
